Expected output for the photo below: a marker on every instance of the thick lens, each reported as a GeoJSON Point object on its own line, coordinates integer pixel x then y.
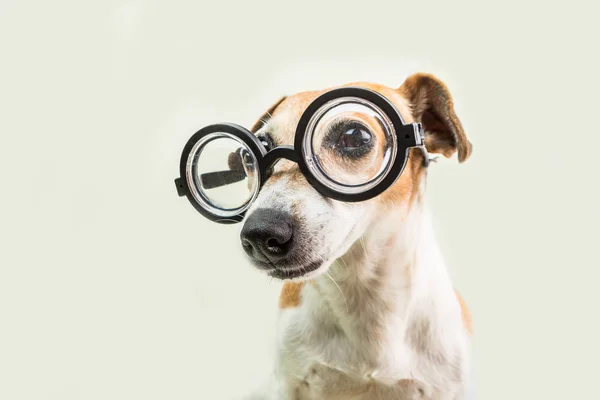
{"type": "Point", "coordinates": [223, 174]}
{"type": "Point", "coordinates": [349, 145]}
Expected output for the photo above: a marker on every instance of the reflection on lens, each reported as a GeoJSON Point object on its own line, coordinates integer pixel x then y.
{"type": "Point", "coordinates": [223, 174]}
{"type": "Point", "coordinates": [349, 145]}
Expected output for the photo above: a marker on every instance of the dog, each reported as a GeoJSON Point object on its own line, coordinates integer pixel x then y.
{"type": "Point", "coordinates": [367, 308]}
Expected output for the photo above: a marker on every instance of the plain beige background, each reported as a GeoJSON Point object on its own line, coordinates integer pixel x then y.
{"type": "Point", "coordinates": [112, 287]}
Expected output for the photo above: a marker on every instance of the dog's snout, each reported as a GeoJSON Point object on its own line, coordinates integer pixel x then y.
{"type": "Point", "coordinates": [266, 234]}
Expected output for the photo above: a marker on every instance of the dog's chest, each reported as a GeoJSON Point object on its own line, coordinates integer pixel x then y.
{"type": "Point", "coordinates": [318, 360]}
{"type": "Point", "coordinates": [333, 376]}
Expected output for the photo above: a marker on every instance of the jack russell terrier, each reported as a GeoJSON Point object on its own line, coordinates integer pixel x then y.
{"type": "Point", "coordinates": [336, 210]}
{"type": "Point", "coordinates": [370, 311]}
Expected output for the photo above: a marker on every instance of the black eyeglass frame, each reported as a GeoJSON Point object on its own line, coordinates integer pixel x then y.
{"type": "Point", "coordinates": [407, 136]}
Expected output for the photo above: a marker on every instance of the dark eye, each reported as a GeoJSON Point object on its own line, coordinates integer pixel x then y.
{"type": "Point", "coordinates": [247, 157]}
{"type": "Point", "coordinates": [349, 139]}
{"type": "Point", "coordinates": [354, 138]}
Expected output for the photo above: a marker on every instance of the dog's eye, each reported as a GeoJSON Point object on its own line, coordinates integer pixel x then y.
{"type": "Point", "coordinates": [349, 139]}
{"type": "Point", "coordinates": [354, 137]}
{"type": "Point", "coordinates": [247, 157]}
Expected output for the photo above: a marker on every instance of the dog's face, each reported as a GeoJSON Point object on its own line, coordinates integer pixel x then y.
{"type": "Point", "coordinates": [292, 231]}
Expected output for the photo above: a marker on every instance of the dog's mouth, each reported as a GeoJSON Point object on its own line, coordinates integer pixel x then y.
{"type": "Point", "coordinates": [297, 272]}
{"type": "Point", "coordinates": [288, 271]}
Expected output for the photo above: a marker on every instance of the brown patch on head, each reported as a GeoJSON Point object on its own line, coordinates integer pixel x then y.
{"type": "Point", "coordinates": [280, 122]}
{"type": "Point", "coordinates": [466, 313]}
{"type": "Point", "coordinates": [286, 113]}
{"type": "Point", "coordinates": [265, 117]}
{"type": "Point", "coordinates": [290, 294]}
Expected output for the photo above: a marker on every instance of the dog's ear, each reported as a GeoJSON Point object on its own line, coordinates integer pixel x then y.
{"type": "Point", "coordinates": [432, 106]}
{"type": "Point", "coordinates": [265, 117]}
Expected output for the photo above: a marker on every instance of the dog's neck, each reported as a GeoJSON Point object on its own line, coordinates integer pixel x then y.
{"type": "Point", "coordinates": [373, 291]}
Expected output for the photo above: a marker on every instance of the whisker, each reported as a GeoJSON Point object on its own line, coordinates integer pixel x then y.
{"type": "Point", "coordinates": [340, 289]}
{"type": "Point", "coordinates": [337, 264]}
{"type": "Point", "coordinates": [362, 244]}
{"type": "Point", "coordinates": [344, 261]}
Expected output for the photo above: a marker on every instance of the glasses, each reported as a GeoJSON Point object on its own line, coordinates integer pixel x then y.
{"type": "Point", "coordinates": [351, 144]}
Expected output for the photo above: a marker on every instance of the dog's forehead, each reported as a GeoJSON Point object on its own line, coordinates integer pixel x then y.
{"type": "Point", "coordinates": [282, 124]}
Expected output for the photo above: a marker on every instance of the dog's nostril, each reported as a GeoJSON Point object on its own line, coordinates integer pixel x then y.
{"type": "Point", "coordinates": [272, 242]}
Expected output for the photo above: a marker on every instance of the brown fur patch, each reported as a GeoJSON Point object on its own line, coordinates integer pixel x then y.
{"type": "Point", "coordinates": [290, 294]}
{"type": "Point", "coordinates": [433, 106]}
{"type": "Point", "coordinates": [261, 121]}
{"type": "Point", "coordinates": [466, 313]}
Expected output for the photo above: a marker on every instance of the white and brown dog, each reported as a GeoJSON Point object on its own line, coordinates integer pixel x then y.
{"type": "Point", "coordinates": [368, 310]}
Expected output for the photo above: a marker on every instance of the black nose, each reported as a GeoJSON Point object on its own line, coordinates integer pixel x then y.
{"type": "Point", "coordinates": [266, 235]}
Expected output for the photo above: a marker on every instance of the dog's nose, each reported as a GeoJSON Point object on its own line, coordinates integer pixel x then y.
{"type": "Point", "coordinates": [267, 234]}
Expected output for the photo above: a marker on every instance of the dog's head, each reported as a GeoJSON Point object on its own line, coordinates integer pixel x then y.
{"type": "Point", "coordinates": [292, 231]}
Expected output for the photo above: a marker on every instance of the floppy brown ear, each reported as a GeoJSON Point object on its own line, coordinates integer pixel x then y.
{"type": "Point", "coordinates": [265, 117]}
{"type": "Point", "coordinates": [432, 106]}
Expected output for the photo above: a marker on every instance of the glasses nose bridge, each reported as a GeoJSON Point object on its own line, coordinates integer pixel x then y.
{"type": "Point", "coordinates": [287, 152]}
